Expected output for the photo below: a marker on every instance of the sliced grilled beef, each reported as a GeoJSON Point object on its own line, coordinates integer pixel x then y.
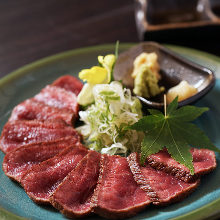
{"type": "Point", "coordinates": [18, 161]}
{"type": "Point", "coordinates": [42, 179]}
{"type": "Point", "coordinates": [52, 103]}
{"type": "Point", "coordinates": [117, 195]}
{"type": "Point", "coordinates": [73, 196]}
{"type": "Point", "coordinates": [204, 161]}
{"type": "Point", "coordinates": [17, 133]}
{"type": "Point", "coordinates": [59, 98]}
{"type": "Point", "coordinates": [69, 83]}
{"type": "Point", "coordinates": [166, 187]}
{"type": "Point", "coordinates": [32, 109]}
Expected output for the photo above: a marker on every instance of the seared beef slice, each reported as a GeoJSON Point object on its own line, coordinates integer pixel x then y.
{"type": "Point", "coordinates": [204, 161]}
{"type": "Point", "coordinates": [18, 161]}
{"type": "Point", "coordinates": [59, 98]}
{"type": "Point", "coordinates": [42, 180]}
{"type": "Point", "coordinates": [73, 196]}
{"type": "Point", "coordinates": [167, 188]}
{"type": "Point", "coordinates": [31, 109]}
{"type": "Point", "coordinates": [69, 83]}
{"type": "Point", "coordinates": [117, 194]}
{"type": "Point", "coordinates": [56, 102]}
{"type": "Point", "coordinates": [17, 133]}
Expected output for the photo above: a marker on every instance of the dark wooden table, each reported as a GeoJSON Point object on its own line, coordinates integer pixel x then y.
{"type": "Point", "coordinates": [30, 30]}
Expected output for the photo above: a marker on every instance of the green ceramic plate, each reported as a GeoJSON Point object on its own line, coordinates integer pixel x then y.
{"type": "Point", "coordinates": [28, 80]}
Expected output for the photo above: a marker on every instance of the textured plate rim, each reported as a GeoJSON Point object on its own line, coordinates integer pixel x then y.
{"type": "Point", "coordinates": [210, 210]}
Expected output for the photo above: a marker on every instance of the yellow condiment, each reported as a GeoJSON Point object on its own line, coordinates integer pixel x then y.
{"type": "Point", "coordinates": [183, 90]}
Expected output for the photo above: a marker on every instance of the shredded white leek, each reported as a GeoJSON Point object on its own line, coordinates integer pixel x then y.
{"type": "Point", "coordinates": [106, 120]}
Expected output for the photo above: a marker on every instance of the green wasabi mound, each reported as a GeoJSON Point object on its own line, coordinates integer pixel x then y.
{"type": "Point", "coordinates": [146, 83]}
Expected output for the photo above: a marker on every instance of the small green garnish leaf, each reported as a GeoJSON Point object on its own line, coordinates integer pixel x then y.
{"type": "Point", "coordinates": [173, 131]}
{"type": "Point", "coordinates": [110, 95]}
{"type": "Point", "coordinates": [116, 49]}
{"type": "Point", "coordinates": [116, 57]}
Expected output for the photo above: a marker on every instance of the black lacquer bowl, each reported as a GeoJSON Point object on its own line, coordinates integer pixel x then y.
{"type": "Point", "coordinates": [173, 69]}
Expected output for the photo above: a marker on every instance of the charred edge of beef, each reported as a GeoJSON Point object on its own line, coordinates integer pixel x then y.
{"type": "Point", "coordinates": [168, 188]}
{"type": "Point", "coordinates": [80, 184]}
{"type": "Point", "coordinates": [18, 161]}
{"type": "Point", "coordinates": [111, 202]}
{"type": "Point", "coordinates": [139, 178]}
{"type": "Point", "coordinates": [178, 173]}
{"type": "Point", "coordinates": [204, 161]}
{"type": "Point", "coordinates": [42, 179]}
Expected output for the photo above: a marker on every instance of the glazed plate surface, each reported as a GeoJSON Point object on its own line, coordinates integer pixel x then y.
{"type": "Point", "coordinates": [30, 79]}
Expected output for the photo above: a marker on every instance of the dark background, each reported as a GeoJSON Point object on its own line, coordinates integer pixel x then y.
{"type": "Point", "coordinates": [30, 30]}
